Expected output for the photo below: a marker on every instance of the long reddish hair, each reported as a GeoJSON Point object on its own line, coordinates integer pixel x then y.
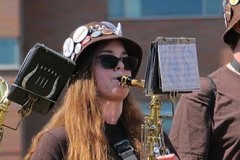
{"type": "Point", "coordinates": [82, 119]}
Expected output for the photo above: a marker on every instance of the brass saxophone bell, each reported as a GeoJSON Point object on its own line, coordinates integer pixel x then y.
{"type": "Point", "coordinates": [4, 103]}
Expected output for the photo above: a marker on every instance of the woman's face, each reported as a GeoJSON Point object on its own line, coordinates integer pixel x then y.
{"type": "Point", "coordinates": [107, 79]}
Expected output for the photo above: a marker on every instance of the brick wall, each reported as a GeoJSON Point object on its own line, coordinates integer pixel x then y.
{"type": "Point", "coordinates": [9, 18]}
{"type": "Point", "coordinates": [50, 22]}
{"type": "Point", "coordinates": [11, 145]}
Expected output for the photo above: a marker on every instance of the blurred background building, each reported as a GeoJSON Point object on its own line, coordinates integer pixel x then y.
{"type": "Point", "coordinates": [24, 23]}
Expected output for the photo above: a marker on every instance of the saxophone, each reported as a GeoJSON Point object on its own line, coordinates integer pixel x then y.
{"type": "Point", "coordinates": [152, 129]}
{"type": "Point", "coordinates": [4, 108]}
{"type": "Point", "coordinates": [4, 103]}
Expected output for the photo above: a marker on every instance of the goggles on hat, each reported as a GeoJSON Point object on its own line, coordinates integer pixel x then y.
{"type": "Point", "coordinates": [233, 2]}
{"type": "Point", "coordinates": [111, 62]}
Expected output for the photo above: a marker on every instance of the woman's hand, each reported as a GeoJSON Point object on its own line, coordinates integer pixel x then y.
{"type": "Point", "coordinates": [167, 157]}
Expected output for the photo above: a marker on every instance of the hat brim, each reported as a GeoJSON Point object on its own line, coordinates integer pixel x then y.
{"type": "Point", "coordinates": [132, 48]}
{"type": "Point", "coordinates": [230, 32]}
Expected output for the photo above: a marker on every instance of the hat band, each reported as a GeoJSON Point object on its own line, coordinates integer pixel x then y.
{"type": "Point", "coordinates": [84, 34]}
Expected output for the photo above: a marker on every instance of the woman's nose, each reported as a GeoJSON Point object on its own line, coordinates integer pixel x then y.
{"type": "Point", "coordinates": [120, 65]}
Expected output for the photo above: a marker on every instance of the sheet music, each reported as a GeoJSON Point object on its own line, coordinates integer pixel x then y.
{"type": "Point", "coordinates": [178, 67]}
{"type": "Point", "coordinates": [172, 66]}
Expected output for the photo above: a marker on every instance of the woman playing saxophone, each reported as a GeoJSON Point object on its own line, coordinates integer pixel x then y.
{"type": "Point", "coordinates": [98, 119]}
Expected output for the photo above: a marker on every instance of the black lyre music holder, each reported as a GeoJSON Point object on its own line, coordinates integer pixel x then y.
{"type": "Point", "coordinates": [40, 80]}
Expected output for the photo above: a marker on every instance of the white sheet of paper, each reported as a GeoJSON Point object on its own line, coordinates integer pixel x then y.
{"type": "Point", "coordinates": [178, 67]}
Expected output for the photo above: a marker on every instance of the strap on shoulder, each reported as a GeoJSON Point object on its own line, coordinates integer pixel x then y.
{"type": "Point", "coordinates": [213, 95]}
{"type": "Point", "coordinates": [125, 150]}
{"type": "Point", "coordinates": [214, 87]}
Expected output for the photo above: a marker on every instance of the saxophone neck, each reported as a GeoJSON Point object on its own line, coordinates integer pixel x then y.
{"type": "Point", "coordinates": [129, 81]}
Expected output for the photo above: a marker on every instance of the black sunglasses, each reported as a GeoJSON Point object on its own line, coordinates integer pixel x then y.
{"type": "Point", "coordinates": [111, 62]}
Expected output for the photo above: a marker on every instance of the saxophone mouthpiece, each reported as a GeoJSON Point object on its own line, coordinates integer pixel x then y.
{"type": "Point", "coordinates": [119, 79]}
{"type": "Point", "coordinates": [126, 81]}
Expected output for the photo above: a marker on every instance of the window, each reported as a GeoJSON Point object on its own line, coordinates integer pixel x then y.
{"type": "Point", "coordinates": [9, 53]}
{"type": "Point", "coordinates": [148, 9]}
